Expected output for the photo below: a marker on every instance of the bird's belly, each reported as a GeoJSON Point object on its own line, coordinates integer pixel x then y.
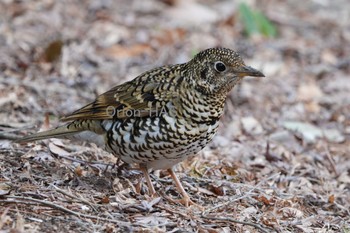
{"type": "Point", "coordinates": [158, 142]}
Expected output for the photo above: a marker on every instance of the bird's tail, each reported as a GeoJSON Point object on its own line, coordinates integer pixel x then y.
{"type": "Point", "coordinates": [65, 131]}
{"type": "Point", "coordinates": [59, 132]}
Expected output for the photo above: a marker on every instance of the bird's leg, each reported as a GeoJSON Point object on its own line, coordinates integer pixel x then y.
{"type": "Point", "coordinates": [152, 191]}
{"type": "Point", "coordinates": [186, 200]}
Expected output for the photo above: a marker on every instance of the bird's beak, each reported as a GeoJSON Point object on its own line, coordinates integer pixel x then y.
{"type": "Point", "coordinates": [249, 71]}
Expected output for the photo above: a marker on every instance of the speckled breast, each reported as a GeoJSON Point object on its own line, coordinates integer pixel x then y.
{"type": "Point", "coordinates": [158, 142]}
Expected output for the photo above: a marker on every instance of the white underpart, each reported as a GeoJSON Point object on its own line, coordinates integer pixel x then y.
{"type": "Point", "coordinates": [162, 148]}
{"type": "Point", "coordinates": [166, 157]}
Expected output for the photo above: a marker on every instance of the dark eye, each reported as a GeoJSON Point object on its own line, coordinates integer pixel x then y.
{"type": "Point", "coordinates": [220, 66]}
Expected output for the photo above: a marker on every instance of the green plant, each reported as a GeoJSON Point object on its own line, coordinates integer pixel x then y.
{"type": "Point", "coordinates": [256, 22]}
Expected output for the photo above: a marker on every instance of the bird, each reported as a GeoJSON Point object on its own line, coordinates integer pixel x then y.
{"type": "Point", "coordinates": [162, 116]}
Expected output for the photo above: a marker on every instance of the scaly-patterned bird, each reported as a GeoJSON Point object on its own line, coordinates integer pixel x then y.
{"type": "Point", "coordinates": [162, 116]}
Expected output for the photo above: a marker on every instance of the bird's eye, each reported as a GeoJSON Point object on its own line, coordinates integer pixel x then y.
{"type": "Point", "coordinates": [220, 66]}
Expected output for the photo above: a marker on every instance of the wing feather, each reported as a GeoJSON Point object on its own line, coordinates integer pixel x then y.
{"type": "Point", "coordinates": [147, 93]}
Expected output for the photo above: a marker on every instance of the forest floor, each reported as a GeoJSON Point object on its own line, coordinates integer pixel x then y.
{"type": "Point", "coordinates": [280, 161]}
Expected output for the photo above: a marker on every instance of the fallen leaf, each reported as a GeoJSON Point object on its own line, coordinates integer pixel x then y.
{"type": "Point", "coordinates": [265, 200]}
{"type": "Point", "coordinates": [251, 125]}
{"type": "Point", "coordinates": [170, 36]}
{"type": "Point", "coordinates": [344, 178]}
{"type": "Point", "coordinates": [149, 204]}
{"type": "Point", "coordinates": [78, 171]}
{"type": "Point", "coordinates": [290, 212]}
{"type": "Point", "coordinates": [105, 200]}
{"type": "Point", "coordinates": [4, 192]}
{"type": "Point", "coordinates": [308, 131]}
{"type": "Point", "coordinates": [57, 150]}
{"type": "Point", "coordinates": [121, 51]}
{"type": "Point", "coordinates": [10, 98]}
{"type": "Point", "coordinates": [228, 170]}
{"type": "Point", "coordinates": [52, 52]}
{"type": "Point", "coordinates": [309, 92]}
{"type": "Point", "coordinates": [334, 135]}
{"type": "Point", "coordinates": [269, 155]}
{"type": "Point", "coordinates": [218, 190]}
{"type": "Point", "coordinates": [20, 222]}
{"type": "Point", "coordinates": [190, 13]}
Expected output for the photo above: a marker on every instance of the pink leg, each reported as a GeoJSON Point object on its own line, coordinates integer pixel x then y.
{"type": "Point", "coordinates": [186, 200]}
{"type": "Point", "coordinates": [152, 191]}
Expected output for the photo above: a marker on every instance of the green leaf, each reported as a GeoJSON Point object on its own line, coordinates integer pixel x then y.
{"type": "Point", "coordinates": [248, 18]}
{"type": "Point", "coordinates": [265, 26]}
{"type": "Point", "coordinates": [255, 22]}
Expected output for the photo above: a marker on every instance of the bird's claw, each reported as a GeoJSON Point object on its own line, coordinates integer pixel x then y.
{"type": "Point", "coordinates": [186, 201]}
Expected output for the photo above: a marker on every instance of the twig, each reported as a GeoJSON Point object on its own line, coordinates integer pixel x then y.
{"type": "Point", "coordinates": [331, 160]}
{"type": "Point", "coordinates": [8, 136]}
{"type": "Point", "coordinates": [229, 184]}
{"type": "Point", "coordinates": [257, 226]}
{"type": "Point", "coordinates": [74, 197]}
{"type": "Point", "coordinates": [241, 197]}
{"type": "Point", "coordinates": [3, 218]}
{"type": "Point", "coordinates": [226, 219]}
{"type": "Point", "coordinates": [32, 201]}
{"type": "Point", "coordinates": [172, 211]}
{"type": "Point", "coordinates": [71, 158]}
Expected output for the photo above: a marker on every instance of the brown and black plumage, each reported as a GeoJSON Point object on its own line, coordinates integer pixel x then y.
{"type": "Point", "coordinates": [162, 116]}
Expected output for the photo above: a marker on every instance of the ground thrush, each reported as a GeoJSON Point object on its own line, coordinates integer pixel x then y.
{"type": "Point", "coordinates": [162, 116]}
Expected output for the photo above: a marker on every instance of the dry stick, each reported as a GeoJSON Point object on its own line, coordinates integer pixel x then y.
{"type": "Point", "coordinates": [234, 200]}
{"type": "Point", "coordinates": [3, 218]}
{"type": "Point", "coordinates": [74, 197]}
{"type": "Point", "coordinates": [241, 197]}
{"type": "Point", "coordinates": [230, 183]}
{"type": "Point", "coordinates": [257, 226]}
{"type": "Point", "coordinates": [61, 208]}
{"type": "Point", "coordinates": [331, 160]}
{"type": "Point", "coordinates": [70, 158]}
{"type": "Point", "coordinates": [8, 136]}
{"type": "Point", "coordinates": [172, 211]}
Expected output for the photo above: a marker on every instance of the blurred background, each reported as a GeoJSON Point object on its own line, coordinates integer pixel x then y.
{"type": "Point", "coordinates": [56, 56]}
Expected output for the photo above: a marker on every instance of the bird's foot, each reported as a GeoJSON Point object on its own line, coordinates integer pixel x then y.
{"type": "Point", "coordinates": [186, 201]}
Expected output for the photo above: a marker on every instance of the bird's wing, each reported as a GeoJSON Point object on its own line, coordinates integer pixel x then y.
{"type": "Point", "coordinates": [143, 96]}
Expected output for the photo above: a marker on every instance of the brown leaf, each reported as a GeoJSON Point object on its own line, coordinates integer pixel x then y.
{"type": "Point", "coordinates": [52, 52]}
{"type": "Point", "coordinates": [218, 190]}
{"type": "Point", "coordinates": [105, 200]}
{"type": "Point", "coordinates": [170, 36]}
{"type": "Point", "coordinates": [265, 200]}
{"type": "Point", "coordinates": [78, 171]}
{"type": "Point", "coordinates": [228, 170]}
{"type": "Point", "coordinates": [269, 221]}
{"type": "Point", "coordinates": [120, 51]}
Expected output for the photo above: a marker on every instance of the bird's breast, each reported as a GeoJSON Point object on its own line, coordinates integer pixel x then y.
{"type": "Point", "coordinates": [150, 140]}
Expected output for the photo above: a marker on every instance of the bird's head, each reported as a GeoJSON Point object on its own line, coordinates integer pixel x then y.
{"type": "Point", "coordinates": [217, 70]}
